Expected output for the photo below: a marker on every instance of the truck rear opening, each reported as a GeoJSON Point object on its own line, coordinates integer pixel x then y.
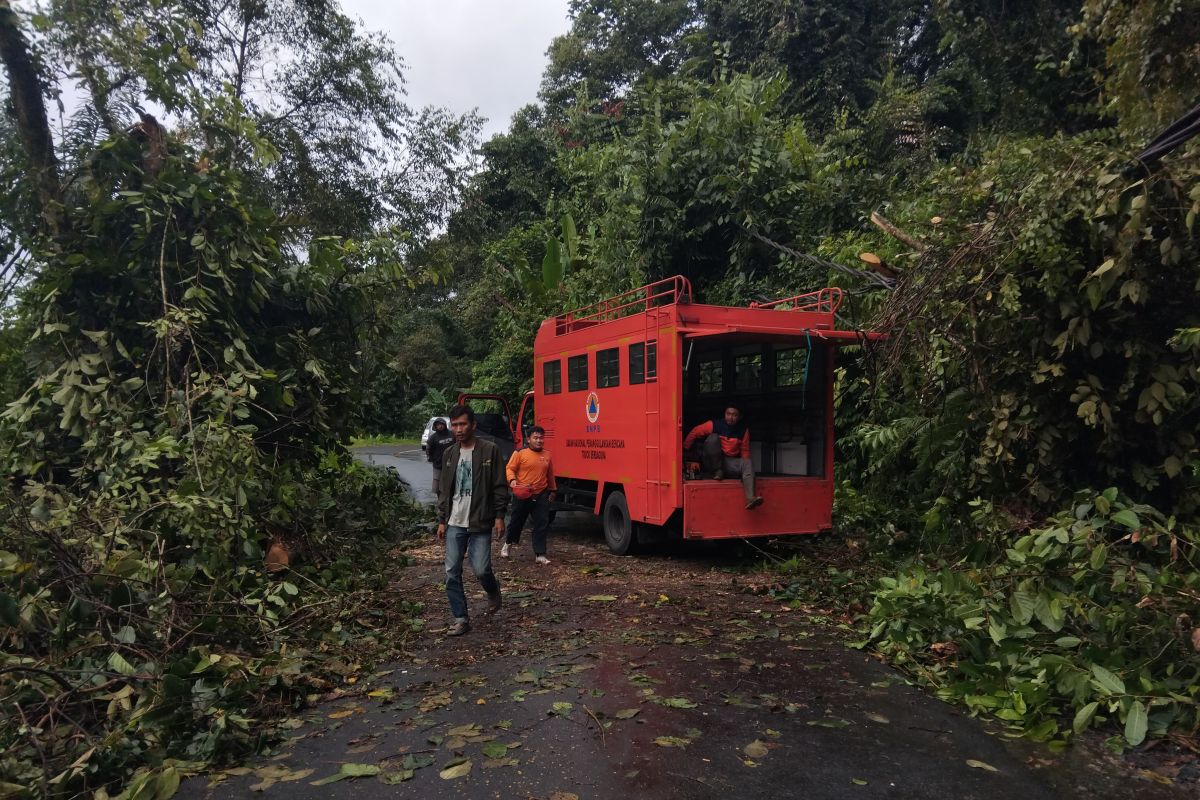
{"type": "Point", "coordinates": [782, 387]}
{"type": "Point", "coordinates": [619, 384]}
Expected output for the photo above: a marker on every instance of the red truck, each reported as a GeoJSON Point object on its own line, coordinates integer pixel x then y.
{"type": "Point", "coordinates": [617, 386]}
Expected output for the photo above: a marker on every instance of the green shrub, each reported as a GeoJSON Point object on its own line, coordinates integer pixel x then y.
{"type": "Point", "coordinates": [1080, 622]}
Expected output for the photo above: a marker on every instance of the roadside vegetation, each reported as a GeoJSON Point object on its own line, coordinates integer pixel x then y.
{"type": "Point", "coordinates": [382, 438]}
{"type": "Point", "coordinates": [221, 264]}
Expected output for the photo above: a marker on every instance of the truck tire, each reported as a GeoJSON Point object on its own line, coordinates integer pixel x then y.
{"type": "Point", "coordinates": [618, 527]}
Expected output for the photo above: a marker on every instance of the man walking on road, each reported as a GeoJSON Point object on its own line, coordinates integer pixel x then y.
{"type": "Point", "coordinates": [531, 477]}
{"type": "Point", "coordinates": [472, 499]}
{"type": "Point", "coordinates": [727, 449]}
{"type": "Point", "coordinates": [435, 449]}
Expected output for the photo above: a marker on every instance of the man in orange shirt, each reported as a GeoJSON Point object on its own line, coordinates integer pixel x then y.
{"type": "Point", "coordinates": [531, 479]}
{"type": "Point", "coordinates": [727, 449]}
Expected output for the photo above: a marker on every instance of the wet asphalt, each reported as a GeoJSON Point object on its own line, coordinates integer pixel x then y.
{"type": "Point", "coordinates": [656, 676]}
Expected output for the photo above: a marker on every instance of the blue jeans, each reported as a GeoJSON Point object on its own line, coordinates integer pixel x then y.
{"type": "Point", "coordinates": [539, 507]}
{"type": "Point", "coordinates": [478, 547]}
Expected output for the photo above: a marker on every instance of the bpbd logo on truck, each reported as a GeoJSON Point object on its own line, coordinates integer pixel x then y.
{"type": "Point", "coordinates": [593, 409]}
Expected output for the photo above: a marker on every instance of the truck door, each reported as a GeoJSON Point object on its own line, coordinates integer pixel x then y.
{"type": "Point", "coordinates": [493, 420]}
{"type": "Point", "coordinates": [525, 420]}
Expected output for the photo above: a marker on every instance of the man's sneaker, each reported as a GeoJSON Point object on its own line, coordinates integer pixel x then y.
{"type": "Point", "coordinates": [493, 603]}
{"type": "Point", "coordinates": [458, 628]}
{"type": "Point", "coordinates": [504, 550]}
{"type": "Point", "coordinates": [754, 502]}
{"type": "Point", "coordinates": [542, 560]}
{"type": "Point", "coordinates": [719, 475]}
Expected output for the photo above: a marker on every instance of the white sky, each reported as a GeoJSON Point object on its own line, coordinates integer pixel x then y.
{"type": "Point", "coordinates": [464, 54]}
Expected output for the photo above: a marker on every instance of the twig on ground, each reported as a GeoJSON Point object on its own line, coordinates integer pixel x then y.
{"type": "Point", "coordinates": [599, 724]}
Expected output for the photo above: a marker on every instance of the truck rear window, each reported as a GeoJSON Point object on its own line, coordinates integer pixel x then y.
{"type": "Point", "coordinates": [577, 373]}
{"type": "Point", "coordinates": [712, 376]}
{"type": "Point", "coordinates": [747, 372]}
{"type": "Point", "coordinates": [552, 377]}
{"type": "Point", "coordinates": [789, 367]}
{"type": "Point", "coordinates": [608, 368]}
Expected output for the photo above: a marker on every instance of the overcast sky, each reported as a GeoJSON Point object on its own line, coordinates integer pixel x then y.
{"type": "Point", "coordinates": [464, 54]}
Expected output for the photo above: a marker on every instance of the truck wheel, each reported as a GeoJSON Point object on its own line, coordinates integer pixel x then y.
{"type": "Point", "coordinates": [618, 528]}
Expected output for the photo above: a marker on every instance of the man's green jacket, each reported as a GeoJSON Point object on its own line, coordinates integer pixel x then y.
{"type": "Point", "coordinates": [489, 485]}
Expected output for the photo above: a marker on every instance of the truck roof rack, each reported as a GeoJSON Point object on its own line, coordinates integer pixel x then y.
{"type": "Point", "coordinates": [826, 301]}
{"type": "Point", "coordinates": [676, 289]}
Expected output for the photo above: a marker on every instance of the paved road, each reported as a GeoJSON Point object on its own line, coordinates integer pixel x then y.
{"type": "Point", "coordinates": [408, 461]}
{"type": "Point", "coordinates": [658, 676]}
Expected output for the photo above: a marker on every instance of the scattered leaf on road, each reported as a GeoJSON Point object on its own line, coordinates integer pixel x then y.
{"type": "Point", "coordinates": [756, 749]}
{"type": "Point", "coordinates": [392, 778]}
{"type": "Point", "coordinates": [470, 729]}
{"type": "Point", "coordinates": [672, 741]}
{"type": "Point", "coordinates": [829, 723]}
{"type": "Point", "coordinates": [455, 770]}
{"type": "Point", "coordinates": [627, 713]}
{"type": "Point", "coordinates": [349, 771]}
{"type": "Point", "coordinates": [602, 598]}
{"type": "Point", "coordinates": [434, 701]}
{"type": "Point", "coordinates": [494, 750]}
{"type": "Point", "coordinates": [971, 762]}
{"type": "Point", "coordinates": [858, 781]}
{"type": "Point", "coordinates": [560, 709]}
{"type": "Point", "coordinates": [677, 702]}
{"type": "Point", "coordinates": [417, 762]}
{"type": "Point", "coordinates": [277, 773]}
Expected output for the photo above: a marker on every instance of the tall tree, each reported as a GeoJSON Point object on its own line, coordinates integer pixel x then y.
{"type": "Point", "coordinates": [612, 45]}
{"type": "Point", "coordinates": [326, 96]}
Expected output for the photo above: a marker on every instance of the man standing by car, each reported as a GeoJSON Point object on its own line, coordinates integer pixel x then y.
{"type": "Point", "coordinates": [439, 439]}
{"type": "Point", "coordinates": [472, 500]}
{"type": "Point", "coordinates": [531, 478]}
{"type": "Point", "coordinates": [727, 449]}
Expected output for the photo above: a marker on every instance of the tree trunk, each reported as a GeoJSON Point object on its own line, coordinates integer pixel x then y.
{"type": "Point", "coordinates": [25, 88]}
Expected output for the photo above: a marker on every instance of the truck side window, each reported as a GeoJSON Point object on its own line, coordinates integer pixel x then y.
{"type": "Point", "coordinates": [608, 368]}
{"type": "Point", "coordinates": [577, 373]}
{"type": "Point", "coordinates": [552, 377]}
{"type": "Point", "coordinates": [637, 363]}
{"type": "Point", "coordinates": [643, 362]}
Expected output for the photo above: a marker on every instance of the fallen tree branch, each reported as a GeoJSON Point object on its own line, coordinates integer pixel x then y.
{"type": "Point", "coordinates": [60, 680]}
{"type": "Point", "coordinates": [891, 230]}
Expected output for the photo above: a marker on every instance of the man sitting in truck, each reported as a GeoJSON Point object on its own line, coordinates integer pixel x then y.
{"type": "Point", "coordinates": [727, 449]}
